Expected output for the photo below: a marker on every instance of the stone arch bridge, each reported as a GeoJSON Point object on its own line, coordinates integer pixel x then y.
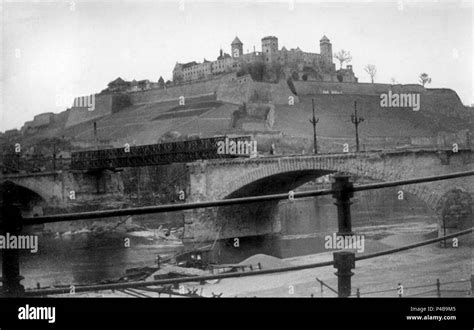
{"type": "Point", "coordinates": [220, 179]}
{"type": "Point", "coordinates": [211, 180]}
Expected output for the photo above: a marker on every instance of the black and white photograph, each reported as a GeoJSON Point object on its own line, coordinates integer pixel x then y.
{"type": "Point", "coordinates": [237, 149]}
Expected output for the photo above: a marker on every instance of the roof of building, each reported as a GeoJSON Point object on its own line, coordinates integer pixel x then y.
{"type": "Point", "coordinates": [236, 41]}
{"type": "Point", "coordinates": [295, 50]}
{"type": "Point", "coordinates": [269, 37]}
{"type": "Point", "coordinates": [324, 38]}
{"type": "Point", "coordinates": [189, 64]}
{"type": "Point", "coordinates": [221, 57]}
{"type": "Point", "coordinates": [118, 81]}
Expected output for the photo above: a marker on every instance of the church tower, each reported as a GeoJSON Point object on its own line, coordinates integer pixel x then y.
{"type": "Point", "coordinates": [237, 48]}
{"type": "Point", "coordinates": [326, 50]}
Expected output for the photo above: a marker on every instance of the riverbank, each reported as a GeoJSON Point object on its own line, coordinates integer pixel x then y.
{"type": "Point", "coordinates": [413, 268]}
{"type": "Point", "coordinates": [420, 266]}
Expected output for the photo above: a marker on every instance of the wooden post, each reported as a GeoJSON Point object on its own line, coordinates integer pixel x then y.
{"type": "Point", "coordinates": [313, 122]}
{"type": "Point", "coordinates": [10, 224]}
{"type": "Point", "coordinates": [356, 120]}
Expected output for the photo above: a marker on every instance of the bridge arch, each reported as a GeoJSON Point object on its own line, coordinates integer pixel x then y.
{"type": "Point", "coordinates": [30, 202]}
{"type": "Point", "coordinates": [217, 180]}
{"type": "Point", "coordinates": [292, 172]}
{"type": "Point", "coordinates": [274, 183]}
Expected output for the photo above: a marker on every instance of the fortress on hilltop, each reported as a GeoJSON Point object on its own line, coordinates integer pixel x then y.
{"type": "Point", "coordinates": [268, 93]}
{"type": "Point", "coordinates": [296, 63]}
{"type": "Point", "coordinates": [271, 64]}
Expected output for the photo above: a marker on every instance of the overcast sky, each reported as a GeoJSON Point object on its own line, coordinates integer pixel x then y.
{"type": "Point", "coordinates": [52, 51]}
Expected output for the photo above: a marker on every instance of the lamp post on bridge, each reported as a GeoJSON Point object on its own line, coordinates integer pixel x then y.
{"type": "Point", "coordinates": [356, 120]}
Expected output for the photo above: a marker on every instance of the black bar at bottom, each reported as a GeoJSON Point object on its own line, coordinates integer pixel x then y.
{"type": "Point", "coordinates": [222, 313]}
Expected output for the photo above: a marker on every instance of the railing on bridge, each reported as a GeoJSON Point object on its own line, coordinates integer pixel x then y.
{"type": "Point", "coordinates": [342, 190]}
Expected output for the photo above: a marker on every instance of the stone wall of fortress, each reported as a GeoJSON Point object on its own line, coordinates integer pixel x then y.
{"type": "Point", "coordinates": [236, 90]}
{"type": "Point", "coordinates": [243, 89]}
{"type": "Point", "coordinates": [280, 93]}
{"type": "Point", "coordinates": [227, 88]}
{"type": "Point", "coordinates": [314, 87]}
{"type": "Point", "coordinates": [186, 89]}
{"type": "Point", "coordinates": [103, 107]}
{"type": "Point", "coordinates": [105, 104]}
{"type": "Point", "coordinates": [442, 101]}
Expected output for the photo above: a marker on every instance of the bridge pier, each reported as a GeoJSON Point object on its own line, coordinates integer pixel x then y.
{"type": "Point", "coordinates": [207, 225]}
{"type": "Point", "coordinates": [455, 212]}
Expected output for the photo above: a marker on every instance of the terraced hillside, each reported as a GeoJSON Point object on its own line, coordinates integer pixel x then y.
{"type": "Point", "coordinates": [441, 120]}
{"type": "Point", "coordinates": [335, 111]}
{"type": "Point", "coordinates": [381, 126]}
{"type": "Point", "coordinates": [146, 123]}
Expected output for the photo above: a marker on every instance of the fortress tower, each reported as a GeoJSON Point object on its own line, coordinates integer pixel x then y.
{"type": "Point", "coordinates": [326, 50]}
{"type": "Point", "coordinates": [270, 49]}
{"type": "Point", "coordinates": [237, 47]}
{"type": "Point", "coordinates": [300, 64]}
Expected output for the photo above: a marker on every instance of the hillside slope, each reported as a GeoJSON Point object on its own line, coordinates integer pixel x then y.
{"type": "Point", "coordinates": [440, 120]}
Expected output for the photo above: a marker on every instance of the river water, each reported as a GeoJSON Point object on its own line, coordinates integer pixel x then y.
{"type": "Point", "coordinates": [91, 257]}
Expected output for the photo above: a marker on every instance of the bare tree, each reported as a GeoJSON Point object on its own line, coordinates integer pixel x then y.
{"type": "Point", "coordinates": [371, 70]}
{"type": "Point", "coordinates": [393, 81]}
{"type": "Point", "coordinates": [343, 56]}
{"type": "Point", "coordinates": [161, 82]}
{"type": "Point", "coordinates": [424, 79]}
